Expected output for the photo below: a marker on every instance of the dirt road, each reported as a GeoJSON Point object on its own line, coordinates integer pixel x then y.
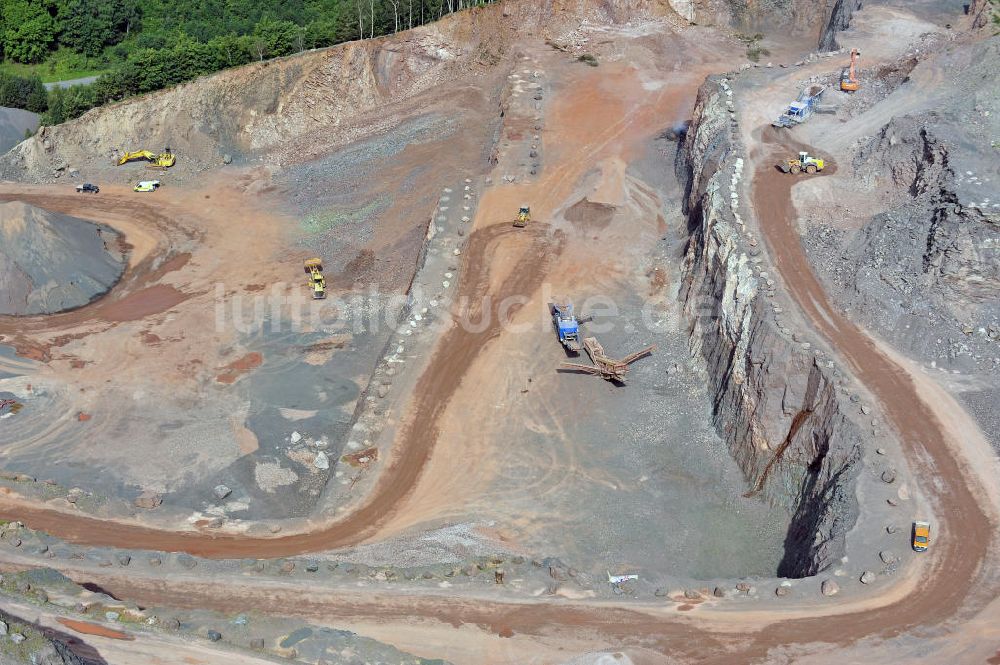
{"type": "Point", "coordinates": [457, 349]}
{"type": "Point", "coordinates": [964, 539]}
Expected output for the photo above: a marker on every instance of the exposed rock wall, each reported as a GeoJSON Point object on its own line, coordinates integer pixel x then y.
{"type": "Point", "coordinates": [954, 249]}
{"type": "Point", "coordinates": [839, 18]}
{"type": "Point", "coordinates": [797, 16]}
{"type": "Point", "coordinates": [983, 13]}
{"type": "Point", "coordinates": [775, 405]}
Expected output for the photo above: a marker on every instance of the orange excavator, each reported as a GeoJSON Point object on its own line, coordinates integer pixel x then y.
{"type": "Point", "coordinates": [849, 77]}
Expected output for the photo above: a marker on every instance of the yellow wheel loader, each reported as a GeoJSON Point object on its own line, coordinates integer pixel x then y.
{"type": "Point", "coordinates": [805, 162]}
{"type": "Point", "coordinates": [164, 160]}
{"type": "Point", "coordinates": [523, 217]}
{"type": "Point", "coordinates": [314, 268]}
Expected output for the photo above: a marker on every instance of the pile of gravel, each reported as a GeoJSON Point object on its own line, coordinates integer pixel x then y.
{"type": "Point", "coordinates": [51, 262]}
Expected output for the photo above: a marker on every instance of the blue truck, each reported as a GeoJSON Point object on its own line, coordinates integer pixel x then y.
{"type": "Point", "coordinates": [801, 109]}
{"type": "Point", "coordinates": [566, 325]}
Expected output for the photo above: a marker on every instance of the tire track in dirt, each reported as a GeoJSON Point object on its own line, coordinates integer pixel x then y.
{"type": "Point", "coordinates": [454, 353]}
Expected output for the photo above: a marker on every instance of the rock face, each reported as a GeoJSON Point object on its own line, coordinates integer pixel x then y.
{"type": "Point", "coordinates": [52, 647]}
{"type": "Point", "coordinates": [952, 236]}
{"type": "Point", "coordinates": [51, 262]}
{"type": "Point", "coordinates": [924, 268]}
{"type": "Point", "coordinates": [839, 18]}
{"type": "Point", "coordinates": [775, 405]}
{"type": "Point", "coordinates": [796, 16]}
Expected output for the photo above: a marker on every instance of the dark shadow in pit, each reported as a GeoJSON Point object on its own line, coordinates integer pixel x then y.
{"type": "Point", "coordinates": [96, 588]}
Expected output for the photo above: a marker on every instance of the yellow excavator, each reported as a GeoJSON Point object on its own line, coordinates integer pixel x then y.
{"type": "Point", "coordinates": [314, 268]}
{"type": "Point", "coordinates": [164, 160]}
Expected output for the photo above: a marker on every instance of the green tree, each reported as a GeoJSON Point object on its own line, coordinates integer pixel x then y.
{"type": "Point", "coordinates": [277, 37]}
{"type": "Point", "coordinates": [21, 92]}
{"type": "Point", "coordinates": [28, 30]}
{"type": "Point", "coordinates": [88, 26]}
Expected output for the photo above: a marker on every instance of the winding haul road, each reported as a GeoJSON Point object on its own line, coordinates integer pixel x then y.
{"type": "Point", "coordinates": [958, 578]}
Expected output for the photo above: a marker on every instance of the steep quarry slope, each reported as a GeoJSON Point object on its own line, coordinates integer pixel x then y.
{"type": "Point", "coordinates": [297, 108]}
{"type": "Point", "coordinates": [51, 262]}
{"type": "Point", "coordinates": [776, 405]}
{"type": "Point", "coordinates": [795, 17]}
{"type": "Point", "coordinates": [925, 267]}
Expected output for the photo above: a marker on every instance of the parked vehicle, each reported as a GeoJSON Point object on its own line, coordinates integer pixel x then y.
{"type": "Point", "coordinates": [921, 536]}
{"type": "Point", "coordinates": [146, 186]}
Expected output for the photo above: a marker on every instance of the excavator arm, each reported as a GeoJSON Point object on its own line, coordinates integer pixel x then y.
{"type": "Point", "coordinates": [849, 82]}
{"type": "Point", "coordinates": [138, 154]}
{"type": "Point", "coordinates": [163, 160]}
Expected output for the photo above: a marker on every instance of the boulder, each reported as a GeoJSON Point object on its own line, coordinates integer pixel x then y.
{"type": "Point", "coordinates": [322, 461]}
{"type": "Point", "coordinates": [221, 492]}
{"type": "Point", "coordinates": [829, 588]}
{"type": "Point", "coordinates": [719, 592]}
{"type": "Point", "coordinates": [867, 577]}
{"type": "Point", "coordinates": [124, 558]}
{"type": "Point", "coordinates": [887, 557]}
{"type": "Point", "coordinates": [692, 594]}
{"type": "Point", "coordinates": [214, 635]}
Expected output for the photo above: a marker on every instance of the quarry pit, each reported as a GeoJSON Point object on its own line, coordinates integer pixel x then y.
{"type": "Point", "coordinates": [405, 470]}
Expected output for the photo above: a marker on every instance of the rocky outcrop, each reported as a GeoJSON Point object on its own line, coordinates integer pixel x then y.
{"type": "Point", "coordinates": [984, 14]}
{"type": "Point", "coordinates": [949, 241]}
{"type": "Point", "coordinates": [839, 18]}
{"type": "Point", "coordinates": [25, 642]}
{"type": "Point", "coordinates": [803, 17]}
{"type": "Point", "coordinates": [775, 405]}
